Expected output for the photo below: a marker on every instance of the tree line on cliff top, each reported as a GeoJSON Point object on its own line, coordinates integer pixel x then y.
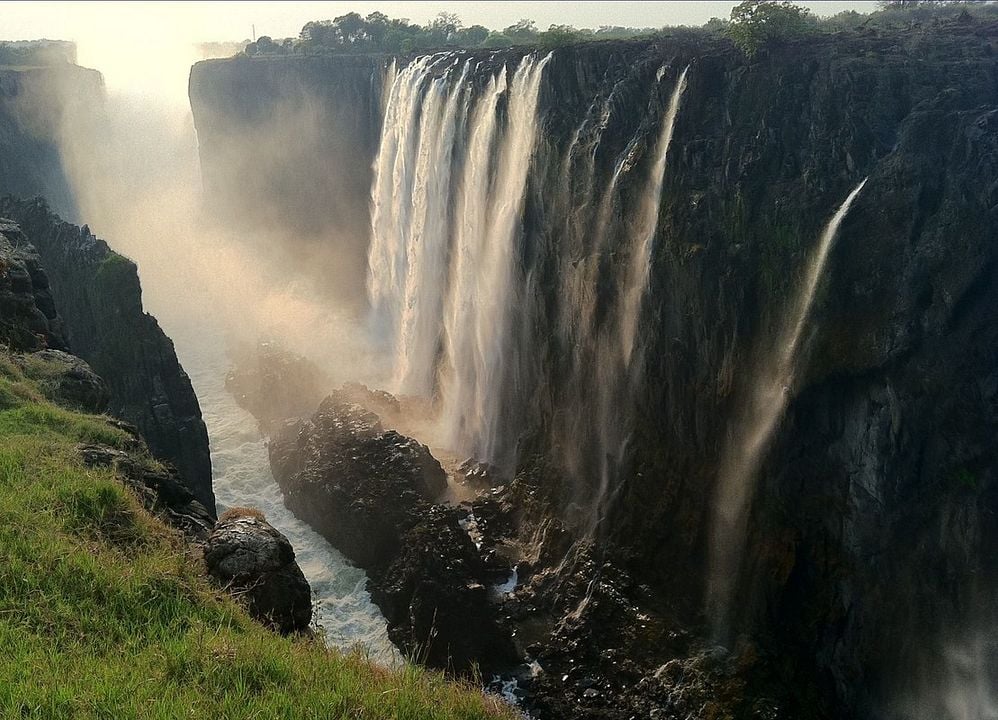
{"type": "Point", "coordinates": [753, 25]}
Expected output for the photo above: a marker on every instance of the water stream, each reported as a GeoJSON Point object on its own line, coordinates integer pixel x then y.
{"type": "Point", "coordinates": [242, 477]}
{"type": "Point", "coordinates": [752, 431]}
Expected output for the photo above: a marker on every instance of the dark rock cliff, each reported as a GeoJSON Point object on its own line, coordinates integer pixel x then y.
{"type": "Point", "coordinates": [28, 318]}
{"type": "Point", "coordinates": [37, 104]}
{"type": "Point", "coordinates": [880, 483]}
{"type": "Point", "coordinates": [99, 299]}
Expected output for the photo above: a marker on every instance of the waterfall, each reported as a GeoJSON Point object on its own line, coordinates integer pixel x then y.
{"type": "Point", "coordinates": [752, 431]}
{"type": "Point", "coordinates": [477, 348]}
{"type": "Point", "coordinates": [426, 274]}
{"type": "Point", "coordinates": [637, 278]}
{"type": "Point", "coordinates": [598, 334]}
{"type": "Point", "coordinates": [441, 285]}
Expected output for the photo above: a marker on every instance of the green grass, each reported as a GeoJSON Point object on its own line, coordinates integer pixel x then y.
{"type": "Point", "coordinates": [104, 612]}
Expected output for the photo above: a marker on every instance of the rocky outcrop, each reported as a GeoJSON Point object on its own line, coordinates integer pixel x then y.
{"type": "Point", "coordinates": [99, 299]}
{"type": "Point", "coordinates": [67, 380]}
{"type": "Point", "coordinates": [158, 488]}
{"type": "Point", "coordinates": [274, 384]}
{"type": "Point", "coordinates": [28, 319]}
{"type": "Point", "coordinates": [358, 484]}
{"type": "Point", "coordinates": [436, 596]}
{"type": "Point", "coordinates": [252, 560]}
{"type": "Point", "coordinates": [370, 492]}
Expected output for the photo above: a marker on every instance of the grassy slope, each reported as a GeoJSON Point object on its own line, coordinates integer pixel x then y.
{"type": "Point", "coordinates": [104, 614]}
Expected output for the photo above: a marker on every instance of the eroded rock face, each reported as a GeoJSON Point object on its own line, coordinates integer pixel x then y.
{"type": "Point", "coordinates": [28, 318]}
{"type": "Point", "coordinates": [252, 559]}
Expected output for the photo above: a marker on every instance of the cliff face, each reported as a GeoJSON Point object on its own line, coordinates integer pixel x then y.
{"type": "Point", "coordinates": [28, 318]}
{"type": "Point", "coordinates": [35, 103]}
{"type": "Point", "coordinates": [286, 147]}
{"type": "Point", "coordinates": [879, 481]}
{"type": "Point", "coordinates": [99, 300]}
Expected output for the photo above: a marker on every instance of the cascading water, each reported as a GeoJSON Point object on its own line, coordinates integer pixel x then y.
{"type": "Point", "coordinates": [477, 349]}
{"type": "Point", "coordinates": [603, 354]}
{"type": "Point", "coordinates": [637, 276]}
{"type": "Point", "coordinates": [438, 283]}
{"type": "Point", "coordinates": [751, 434]}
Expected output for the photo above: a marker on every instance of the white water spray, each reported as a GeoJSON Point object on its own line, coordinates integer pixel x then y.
{"type": "Point", "coordinates": [751, 434]}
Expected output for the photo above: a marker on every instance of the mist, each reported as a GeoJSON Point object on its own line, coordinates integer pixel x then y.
{"type": "Point", "coordinates": [135, 174]}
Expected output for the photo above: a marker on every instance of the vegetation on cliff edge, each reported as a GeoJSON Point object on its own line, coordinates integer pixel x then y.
{"type": "Point", "coordinates": [104, 612]}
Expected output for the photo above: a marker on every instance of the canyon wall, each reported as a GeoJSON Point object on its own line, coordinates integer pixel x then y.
{"type": "Point", "coordinates": [36, 104]}
{"type": "Point", "coordinates": [286, 147]}
{"type": "Point", "coordinates": [99, 300]}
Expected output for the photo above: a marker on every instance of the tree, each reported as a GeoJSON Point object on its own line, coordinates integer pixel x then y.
{"type": "Point", "coordinates": [377, 27]}
{"type": "Point", "coordinates": [557, 35]}
{"type": "Point", "coordinates": [472, 36]}
{"type": "Point", "coordinates": [758, 23]}
{"type": "Point", "coordinates": [716, 24]}
{"type": "Point", "coordinates": [498, 40]}
{"type": "Point", "coordinates": [523, 32]}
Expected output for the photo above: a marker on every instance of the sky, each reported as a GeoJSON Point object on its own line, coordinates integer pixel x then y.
{"type": "Point", "coordinates": [147, 48]}
{"type": "Point", "coordinates": [202, 21]}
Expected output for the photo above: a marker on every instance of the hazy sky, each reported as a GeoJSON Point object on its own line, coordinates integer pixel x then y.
{"type": "Point", "coordinates": [147, 48]}
{"type": "Point", "coordinates": [233, 20]}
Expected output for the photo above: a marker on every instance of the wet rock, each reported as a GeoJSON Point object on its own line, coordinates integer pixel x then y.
{"type": "Point", "coordinates": [251, 559]}
{"type": "Point", "coordinates": [380, 402]}
{"type": "Point", "coordinates": [358, 484]}
{"type": "Point", "coordinates": [434, 599]}
{"type": "Point", "coordinates": [274, 384]}
{"type": "Point", "coordinates": [369, 491]}
{"type": "Point", "coordinates": [478, 474]}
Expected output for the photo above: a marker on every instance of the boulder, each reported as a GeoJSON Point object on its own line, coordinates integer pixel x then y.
{"type": "Point", "coordinates": [67, 379]}
{"type": "Point", "coordinates": [252, 559]}
{"type": "Point", "coordinates": [274, 384]}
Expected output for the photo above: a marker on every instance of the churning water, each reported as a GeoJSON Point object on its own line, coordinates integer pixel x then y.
{"type": "Point", "coordinates": [242, 477]}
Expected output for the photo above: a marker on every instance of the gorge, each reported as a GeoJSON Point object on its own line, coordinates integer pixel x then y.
{"type": "Point", "coordinates": [690, 353]}
{"type": "Point", "coordinates": [546, 355]}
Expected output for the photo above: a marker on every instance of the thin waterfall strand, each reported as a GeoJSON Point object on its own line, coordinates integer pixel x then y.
{"type": "Point", "coordinates": [637, 284]}
{"type": "Point", "coordinates": [746, 446]}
